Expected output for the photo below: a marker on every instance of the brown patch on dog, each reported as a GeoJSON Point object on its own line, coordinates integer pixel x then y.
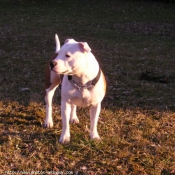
{"type": "Point", "coordinates": [104, 82]}
{"type": "Point", "coordinates": [47, 73]}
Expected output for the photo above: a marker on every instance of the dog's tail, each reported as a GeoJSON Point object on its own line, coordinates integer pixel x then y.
{"type": "Point", "coordinates": [57, 43]}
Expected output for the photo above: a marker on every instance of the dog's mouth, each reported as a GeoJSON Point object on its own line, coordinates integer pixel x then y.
{"type": "Point", "coordinates": [65, 72]}
{"type": "Point", "coordinates": [68, 73]}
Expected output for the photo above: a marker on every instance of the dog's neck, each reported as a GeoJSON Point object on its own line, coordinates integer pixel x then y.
{"type": "Point", "coordinates": [89, 72]}
{"type": "Point", "coordinates": [88, 85]}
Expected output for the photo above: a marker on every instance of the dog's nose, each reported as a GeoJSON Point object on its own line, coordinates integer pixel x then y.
{"type": "Point", "coordinates": [53, 64]}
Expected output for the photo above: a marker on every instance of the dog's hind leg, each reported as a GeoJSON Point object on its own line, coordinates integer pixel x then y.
{"type": "Point", "coordinates": [52, 80]}
{"type": "Point", "coordinates": [49, 92]}
{"type": "Point", "coordinates": [73, 115]}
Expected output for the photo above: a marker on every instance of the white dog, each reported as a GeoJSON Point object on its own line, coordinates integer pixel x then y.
{"type": "Point", "coordinates": [83, 85]}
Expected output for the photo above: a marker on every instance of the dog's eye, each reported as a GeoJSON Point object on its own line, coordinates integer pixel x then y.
{"type": "Point", "coordinates": [67, 55]}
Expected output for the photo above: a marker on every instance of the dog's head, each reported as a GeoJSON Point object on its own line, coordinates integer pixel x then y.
{"type": "Point", "coordinates": [71, 58]}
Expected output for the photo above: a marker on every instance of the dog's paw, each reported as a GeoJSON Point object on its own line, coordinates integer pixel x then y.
{"type": "Point", "coordinates": [74, 120]}
{"type": "Point", "coordinates": [48, 124]}
{"type": "Point", "coordinates": [95, 136]}
{"type": "Point", "coordinates": [64, 139]}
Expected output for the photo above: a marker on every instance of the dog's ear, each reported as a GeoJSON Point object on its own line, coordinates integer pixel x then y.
{"type": "Point", "coordinates": [57, 43]}
{"type": "Point", "coordinates": [69, 41]}
{"type": "Point", "coordinates": [66, 41]}
{"type": "Point", "coordinates": [85, 46]}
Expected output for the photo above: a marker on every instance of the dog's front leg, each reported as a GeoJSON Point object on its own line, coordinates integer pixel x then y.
{"type": "Point", "coordinates": [65, 114]}
{"type": "Point", "coordinates": [94, 115]}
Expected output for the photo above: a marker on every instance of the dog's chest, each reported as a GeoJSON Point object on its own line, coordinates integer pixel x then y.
{"type": "Point", "coordinates": [81, 97]}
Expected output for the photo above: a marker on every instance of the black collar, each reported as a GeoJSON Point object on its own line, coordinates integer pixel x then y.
{"type": "Point", "coordinates": [90, 84]}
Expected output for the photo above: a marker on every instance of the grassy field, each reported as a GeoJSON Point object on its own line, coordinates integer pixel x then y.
{"type": "Point", "coordinates": [134, 42]}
